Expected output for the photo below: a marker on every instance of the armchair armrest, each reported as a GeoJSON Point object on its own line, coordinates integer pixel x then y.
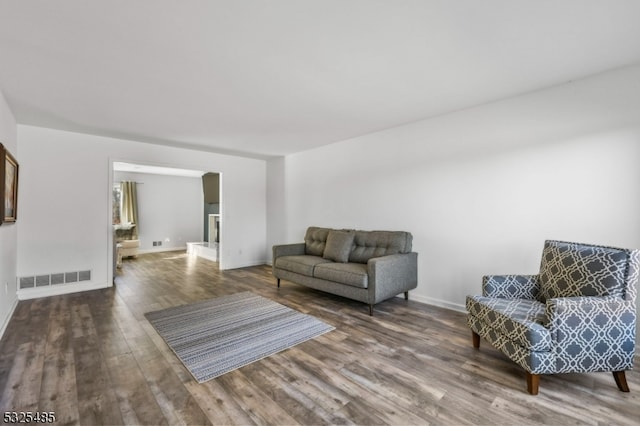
{"type": "Point", "coordinates": [296, 249]}
{"type": "Point", "coordinates": [592, 333]}
{"type": "Point", "coordinates": [511, 286]}
{"type": "Point", "coordinates": [391, 275]}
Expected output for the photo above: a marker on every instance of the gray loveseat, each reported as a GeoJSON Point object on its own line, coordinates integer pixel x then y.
{"type": "Point", "coordinates": [367, 266]}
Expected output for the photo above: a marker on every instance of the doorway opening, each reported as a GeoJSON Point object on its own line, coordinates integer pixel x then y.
{"type": "Point", "coordinates": [172, 204]}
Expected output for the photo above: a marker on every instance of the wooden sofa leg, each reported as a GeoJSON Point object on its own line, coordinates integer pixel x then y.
{"type": "Point", "coordinates": [475, 337]}
{"type": "Point", "coordinates": [370, 310]}
{"type": "Point", "coordinates": [278, 282]}
{"type": "Point", "coordinates": [406, 295]}
{"type": "Point", "coordinates": [533, 382]}
{"type": "Point", "coordinates": [621, 380]}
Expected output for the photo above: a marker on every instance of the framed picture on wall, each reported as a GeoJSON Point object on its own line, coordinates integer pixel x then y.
{"type": "Point", "coordinates": [8, 181]}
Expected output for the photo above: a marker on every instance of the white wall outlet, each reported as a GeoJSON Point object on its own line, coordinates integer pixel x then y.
{"type": "Point", "coordinates": [167, 240]}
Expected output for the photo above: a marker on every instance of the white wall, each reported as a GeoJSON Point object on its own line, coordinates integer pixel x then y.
{"type": "Point", "coordinates": [66, 191]}
{"type": "Point", "coordinates": [481, 189]}
{"type": "Point", "coordinates": [169, 208]}
{"type": "Point", "coordinates": [8, 232]}
{"type": "Point", "coordinates": [276, 207]}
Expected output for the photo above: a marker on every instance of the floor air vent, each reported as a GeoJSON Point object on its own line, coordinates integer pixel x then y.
{"type": "Point", "coordinates": [46, 280]}
{"type": "Point", "coordinates": [42, 280]}
{"type": "Point", "coordinates": [27, 282]}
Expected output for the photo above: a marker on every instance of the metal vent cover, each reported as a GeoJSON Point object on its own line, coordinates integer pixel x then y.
{"type": "Point", "coordinates": [46, 280]}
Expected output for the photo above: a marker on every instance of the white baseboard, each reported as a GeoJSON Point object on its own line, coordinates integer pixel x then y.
{"type": "Point", "coordinates": [244, 265]}
{"type": "Point", "coordinates": [6, 320]}
{"type": "Point", "coordinates": [56, 290]}
{"type": "Point", "coordinates": [161, 249]}
{"type": "Point", "coordinates": [437, 302]}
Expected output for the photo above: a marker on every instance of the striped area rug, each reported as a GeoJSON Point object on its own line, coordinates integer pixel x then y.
{"type": "Point", "coordinates": [219, 335]}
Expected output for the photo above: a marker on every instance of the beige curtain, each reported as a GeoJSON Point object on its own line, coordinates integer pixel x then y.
{"type": "Point", "coordinates": [129, 206]}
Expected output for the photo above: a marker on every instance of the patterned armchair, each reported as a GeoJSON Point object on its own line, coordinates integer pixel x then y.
{"type": "Point", "coordinates": [577, 315]}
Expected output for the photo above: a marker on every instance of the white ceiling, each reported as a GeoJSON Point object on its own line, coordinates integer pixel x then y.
{"type": "Point", "coordinates": [266, 78]}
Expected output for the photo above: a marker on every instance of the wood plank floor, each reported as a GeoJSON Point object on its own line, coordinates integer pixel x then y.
{"type": "Point", "coordinates": [93, 358]}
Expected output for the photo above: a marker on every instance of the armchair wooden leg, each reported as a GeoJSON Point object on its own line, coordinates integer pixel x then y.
{"type": "Point", "coordinates": [533, 382]}
{"type": "Point", "coordinates": [406, 295]}
{"type": "Point", "coordinates": [370, 310]}
{"type": "Point", "coordinates": [278, 282]}
{"type": "Point", "coordinates": [621, 380]}
{"type": "Point", "coordinates": [475, 337]}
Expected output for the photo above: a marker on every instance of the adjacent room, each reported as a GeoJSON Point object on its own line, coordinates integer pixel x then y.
{"type": "Point", "coordinates": [362, 212]}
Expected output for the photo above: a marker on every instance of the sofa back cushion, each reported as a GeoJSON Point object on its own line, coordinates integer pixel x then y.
{"type": "Point", "coordinates": [339, 245]}
{"type": "Point", "coordinates": [369, 244]}
{"type": "Point", "coordinates": [572, 269]}
{"type": "Point", "coordinates": [315, 240]}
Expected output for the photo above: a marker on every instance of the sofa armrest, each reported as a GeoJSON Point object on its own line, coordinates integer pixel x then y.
{"type": "Point", "coordinates": [511, 286]}
{"type": "Point", "coordinates": [597, 330]}
{"type": "Point", "coordinates": [296, 249]}
{"type": "Point", "coordinates": [392, 275]}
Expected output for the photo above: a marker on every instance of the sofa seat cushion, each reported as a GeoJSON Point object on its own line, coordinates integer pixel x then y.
{"type": "Point", "coordinates": [520, 320]}
{"type": "Point", "coordinates": [353, 274]}
{"type": "Point", "coordinates": [303, 264]}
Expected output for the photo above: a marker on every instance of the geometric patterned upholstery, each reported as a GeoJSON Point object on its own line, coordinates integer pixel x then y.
{"type": "Point", "coordinates": [569, 270]}
{"type": "Point", "coordinates": [577, 315]}
{"type": "Point", "coordinates": [592, 333]}
{"type": "Point", "coordinates": [535, 362]}
{"type": "Point", "coordinates": [511, 286]}
{"type": "Point", "coordinates": [520, 320]}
